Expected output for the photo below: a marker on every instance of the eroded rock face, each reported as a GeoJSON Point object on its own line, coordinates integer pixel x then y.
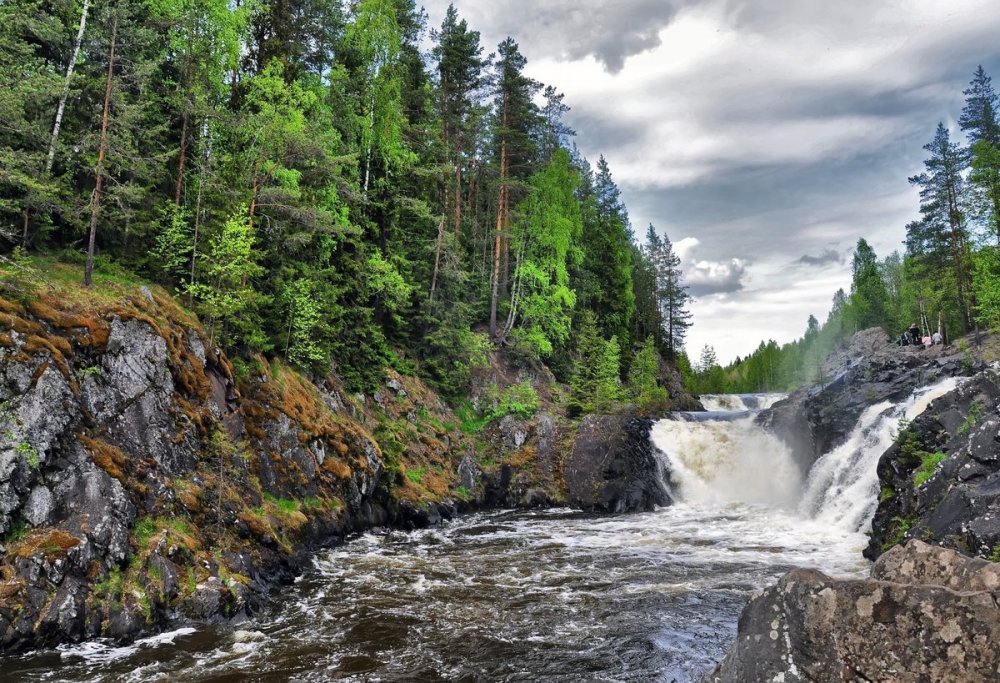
{"type": "Point", "coordinates": [941, 479]}
{"type": "Point", "coordinates": [927, 614]}
{"type": "Point", "coordinates": [612, 467]}
{"type": "Point", "coordinates": [869, 370]}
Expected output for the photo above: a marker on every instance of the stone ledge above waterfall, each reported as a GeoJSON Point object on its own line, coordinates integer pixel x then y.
{"type": "Point", "coordinates": [869, 369]}
{"type": "Point", "coordinates": [612, 468]}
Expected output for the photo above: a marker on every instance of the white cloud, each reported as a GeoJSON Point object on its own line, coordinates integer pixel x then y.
{"type": "Point", "coordinates": [762, 131]}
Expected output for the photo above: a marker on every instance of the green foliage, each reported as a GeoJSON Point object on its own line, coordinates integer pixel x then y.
{"type": "Point", "coordinates": [416, 474]}
{"type": "Point", "coordinates": [171, 253]}
{"type": "Point", "coordinates": [549, 229]}
{"type": "Point", "coordinates": [302, 347]}
{"type": "Point", "coordinates": [29, 453]}
{"type": "Point", "coordinates": [19, 279]}
{"type": "Point", "coordinates": [519, 400]}
{"type": "Point", "coordinates": [643, 377]}
{"type": "Point", "coordinates": [975, 412]}
{"type": "Point", "coordinates": [995, 554]}
{"type": "Point", "coordinates": [16, 532]}
{"type": "Point", "coordinates": [596, 386]}
{"type": "Point", "coordinates": [885, 494]}
{"type": "Point", "coordinates": [899, 527]}
{"type": "Point", "coordinates": [928, 464]}
{"type": "Point", "coordinates": [228, 297]}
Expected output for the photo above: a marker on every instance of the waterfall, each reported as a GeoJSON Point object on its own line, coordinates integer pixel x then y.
{"type": "Point", "coordinates": [727, 461]}
{"type": "Point", "coordinates": [739, 402]}
{"type": "Point", "coordinates": [843, 485]}
{"type": "Point", "coordinates": [724, 457]}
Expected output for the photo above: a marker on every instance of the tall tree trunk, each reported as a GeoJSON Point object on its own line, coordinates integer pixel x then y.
{"type": "Point", "coordinates": [437, 258]}
{"type": "Point", "coordinates": [61, 109]}
{"type": "Point", "coordinates": [95, 201]}
{"type": "Point", "coordinates": [180, 163]}
{"type": "Point", "coordinates": [498, 237]}
{"type": "Point", "coordinates": [458, 204]}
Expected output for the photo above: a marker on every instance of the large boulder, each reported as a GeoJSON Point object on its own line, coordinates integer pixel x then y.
{"type": "Point", "coordinates": [612, 466]}
{"type": "Point", "coordinates": [926, 614]}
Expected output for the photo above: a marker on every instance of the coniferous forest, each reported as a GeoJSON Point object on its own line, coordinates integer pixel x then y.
{"type": "Point", "coordinates": [316, 187]}
{"type": "Point", "coordinates": [947, 277]}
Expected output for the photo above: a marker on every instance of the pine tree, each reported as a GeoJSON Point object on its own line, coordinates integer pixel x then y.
{"type": "Point", "coordinates": [980, 120]}
{"type": "Point", "coordinates": [672, 296]}
{"type": "Point", "coordinates": [605, 285]}
{"type": "Point", "coordinates": [940, 237]}
{"type": "Point", "coordinates": [642, 379]}
{"type": "Point", "coordinates": [516, 116]}
{"type": "Point", "coordinates": [868, 292]}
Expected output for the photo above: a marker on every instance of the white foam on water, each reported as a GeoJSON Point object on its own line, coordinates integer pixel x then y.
{"type": "Point", "coordinates": [843, 485]}
{"type": "Point", "coordinates": [731, 461]}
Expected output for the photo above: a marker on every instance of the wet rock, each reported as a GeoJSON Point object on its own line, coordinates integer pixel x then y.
{"type": "Point", "coordinates": [906, 623]}
{"type": "Point", "coordinates": [868, 370]}
{"type": "Point", "coordinates": [612, 467]}
{"type": "Point", "coordinates": [941, 479]}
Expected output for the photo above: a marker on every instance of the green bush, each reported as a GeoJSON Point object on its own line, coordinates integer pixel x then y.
{"type": "Point", "coordinates": [928, 463]}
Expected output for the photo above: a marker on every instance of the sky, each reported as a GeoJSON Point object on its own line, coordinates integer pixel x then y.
{"type": "Point", "coordinates": [763, 137]}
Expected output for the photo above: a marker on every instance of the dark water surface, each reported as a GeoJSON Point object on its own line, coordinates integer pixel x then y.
{"type": "Point", "coordinates": [505, 596]}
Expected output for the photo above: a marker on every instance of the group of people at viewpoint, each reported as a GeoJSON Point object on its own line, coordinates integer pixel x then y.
{"type": "Point", "coordinates": [912, 337]}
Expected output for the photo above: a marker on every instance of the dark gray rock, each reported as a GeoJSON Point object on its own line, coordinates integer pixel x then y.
{"type": "Point", "coordinates": [958, 506]}
{"type": "Point", "coordinates": [612, 467]}
{"type": "Point", "coordinates": [927, 614]}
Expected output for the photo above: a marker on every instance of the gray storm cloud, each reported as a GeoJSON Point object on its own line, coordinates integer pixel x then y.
{"type": "Point", "coordinates": [829, 256]}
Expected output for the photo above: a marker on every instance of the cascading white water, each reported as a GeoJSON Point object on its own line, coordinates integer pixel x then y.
{"type": "Point", "coordinates": [843, 486]}
{"type": "Point", "coordinates": [727, 461]}
{"type": "Point", "coordinates": [739, 402]}
{"type": "Point", "coordinates": [716, 460]}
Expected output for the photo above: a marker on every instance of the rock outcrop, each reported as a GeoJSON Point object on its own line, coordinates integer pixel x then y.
{"type": "Point", "coordinates": [941, 479]}
{"type": "Point", "coordinates": [926, 614]}
{"type": "Point", "coordinates": [612, 467]}
{"type": "Point", "coordinates": [870, 369]}
{"type": "Point", "coordinates": [144, 479]}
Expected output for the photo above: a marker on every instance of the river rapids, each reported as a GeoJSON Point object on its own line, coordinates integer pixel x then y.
{"type": "Point", "coordinates": [547, 596]}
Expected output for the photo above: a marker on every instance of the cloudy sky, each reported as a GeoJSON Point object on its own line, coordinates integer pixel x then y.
{"type": "Point", "coordinates": [763, 137]}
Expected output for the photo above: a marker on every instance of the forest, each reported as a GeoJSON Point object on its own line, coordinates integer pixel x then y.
{"type": "Point", "coordinates": [947, 278]}
{"type": "Point", "coordinates": [317, 185]}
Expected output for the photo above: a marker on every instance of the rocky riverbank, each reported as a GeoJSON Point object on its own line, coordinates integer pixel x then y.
{"type": "Point", "coordinates": [146, 479]}
{"type": "Point", "coordinates": [929, 611]}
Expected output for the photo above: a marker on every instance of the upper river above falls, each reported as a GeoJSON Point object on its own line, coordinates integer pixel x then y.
{"type": "Point", "coordinates": [556, 595]}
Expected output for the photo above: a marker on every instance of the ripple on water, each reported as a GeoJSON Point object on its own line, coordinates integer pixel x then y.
{"type": "Point", "coordinates": [555, 595]}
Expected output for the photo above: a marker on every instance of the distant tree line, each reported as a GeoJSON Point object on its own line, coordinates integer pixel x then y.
{"type": "Point", "coordinates": [319, 189]}
{"type": "Point", "coordinates": [947, 277]}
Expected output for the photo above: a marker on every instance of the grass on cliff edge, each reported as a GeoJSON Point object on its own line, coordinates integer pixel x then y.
{"type": "Point", "coordinates": [59, 276]}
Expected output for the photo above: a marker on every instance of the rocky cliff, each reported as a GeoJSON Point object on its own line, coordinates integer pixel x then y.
{"type": "Point", "coordinates": [869, 369]}
{"type": "Point", "coordinates": [941, 479]}
{"type": "Point", "coordinates": [142, 479]}
{"type": "Point", "coordinates": [145, 478]}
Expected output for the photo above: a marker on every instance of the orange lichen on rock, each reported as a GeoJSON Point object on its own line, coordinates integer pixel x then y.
{"type": "Point", "coordinates": [52, 543]}
{"type": "Point", "coordinates": [337, 467]}
{"type": "Point", "coordinates": [109, 458]}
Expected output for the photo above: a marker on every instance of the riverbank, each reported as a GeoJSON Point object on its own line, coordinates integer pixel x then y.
{"type": "Point", "coordinates": [149, 480]}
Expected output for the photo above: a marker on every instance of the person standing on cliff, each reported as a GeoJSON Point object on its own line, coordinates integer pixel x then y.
{"type": "Point", "coordinates": [937, 339]}
{"type": "Point", "coordinates": [915, 337]}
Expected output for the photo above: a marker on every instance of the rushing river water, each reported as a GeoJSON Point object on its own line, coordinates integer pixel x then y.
{"type": "Point", "coordinates": [544, 596]}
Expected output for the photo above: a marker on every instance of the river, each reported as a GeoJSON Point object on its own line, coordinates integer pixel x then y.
{"type": "Point", "coordinates": [553, 595]}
